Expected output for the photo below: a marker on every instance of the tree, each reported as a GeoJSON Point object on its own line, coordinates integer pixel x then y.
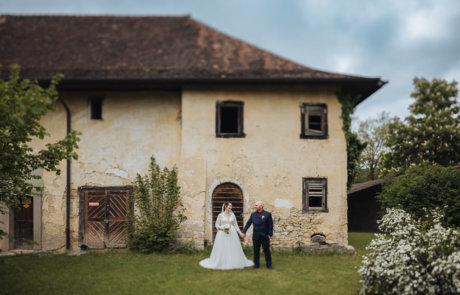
{"type": "Point", "coordinates": [422, 188]}
{"type": "Point", "coordinates": [431, 134]}
{"type": "Point", "coordinates": [22, 104]}
{"type": "Point", "coordinates": [158, 210]}
{"type": "Point", "coordinates": [373, 132]}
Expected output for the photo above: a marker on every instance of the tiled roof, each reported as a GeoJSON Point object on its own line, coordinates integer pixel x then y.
{"type": "Point", "coordinates": [150, 47]}
{"type": "Point", "coordinates": [364, 185]}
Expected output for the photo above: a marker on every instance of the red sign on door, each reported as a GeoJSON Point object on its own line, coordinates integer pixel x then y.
{"type": "Point", "coordinates": [93, 204]}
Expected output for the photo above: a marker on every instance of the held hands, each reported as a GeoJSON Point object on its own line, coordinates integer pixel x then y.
{"type": "Point", "coordinates": [243, 235]}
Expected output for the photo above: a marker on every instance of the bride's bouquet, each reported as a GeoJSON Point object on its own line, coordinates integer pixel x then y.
{"type": "Point", "coordinates": [226, 228]}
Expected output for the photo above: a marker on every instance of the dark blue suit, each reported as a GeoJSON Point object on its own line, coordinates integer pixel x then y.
{"type": "Point", "coordinates": [262, 229]}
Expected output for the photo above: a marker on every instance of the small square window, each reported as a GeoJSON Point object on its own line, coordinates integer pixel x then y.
{"type": "Point", "coordinates": [313, 121]}
{"type": "Point", "coordinates": [314, 194]}
{"type": "Point", "coordinates": [95, 103]}
{"type": "Point", "coordinates": [229, 119]}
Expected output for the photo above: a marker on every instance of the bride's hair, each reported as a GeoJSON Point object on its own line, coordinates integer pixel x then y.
{"type": "Point", "coordinates": [225, 205]}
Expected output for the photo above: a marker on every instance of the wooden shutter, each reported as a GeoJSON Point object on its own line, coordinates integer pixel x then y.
{"type": "Point", "coordinates": [315, 194]}
{"type": "Point", "coordinates": [314, 120]}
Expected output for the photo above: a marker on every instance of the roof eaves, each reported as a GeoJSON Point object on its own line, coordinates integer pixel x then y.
{"type": "Point", "coordinates": [365, 86]}
{"type": "Point", "coordinates": [358, 187]}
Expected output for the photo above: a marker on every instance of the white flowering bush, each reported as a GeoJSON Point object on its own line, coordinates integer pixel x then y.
{"type": "Point", "coordinates": [409, 257]}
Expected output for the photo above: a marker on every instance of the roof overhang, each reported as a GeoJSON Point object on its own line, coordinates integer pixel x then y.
{"type": "Point", "coordinates": [359, 187]}
{"type": "Point", "coordinates": [360, 86]}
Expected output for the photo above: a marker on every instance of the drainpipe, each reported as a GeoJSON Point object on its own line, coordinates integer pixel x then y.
{"type": "Point", "coordinates": [67, 217]}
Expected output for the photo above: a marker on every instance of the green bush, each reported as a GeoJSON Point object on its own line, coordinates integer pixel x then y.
{"type": "Point", "coordinates": [158, 211]}
{"type": "Point", "coordinates": [423, 188]}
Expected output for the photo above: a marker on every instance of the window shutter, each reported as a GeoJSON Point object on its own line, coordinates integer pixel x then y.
{"type": "Point", "coordinates": [323, 121]}
{"type": "Point", "coordinates": [316, 189]}
{"type": "Point", "coordinates": [323, 203]}
{"type": "Point", "coordinates": [315, 194]}
{"type": "Point", "coordinates": [314, 118]}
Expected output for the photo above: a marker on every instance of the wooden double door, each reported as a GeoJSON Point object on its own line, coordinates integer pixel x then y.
{"type": "Point", "coordinates": [105, 217]}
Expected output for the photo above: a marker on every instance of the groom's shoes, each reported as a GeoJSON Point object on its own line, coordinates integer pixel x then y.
{"type": "Point", "coordinates": [270, 267]}
{"type": "Point", "coordinates": [256, 266]}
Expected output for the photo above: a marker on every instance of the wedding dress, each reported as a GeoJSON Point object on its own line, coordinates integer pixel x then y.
{"type": "Point", "coordinates": [226, 252]}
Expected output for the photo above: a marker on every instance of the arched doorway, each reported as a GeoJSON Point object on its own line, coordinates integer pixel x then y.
{"type": "Point", "coordinates": [227, 192]}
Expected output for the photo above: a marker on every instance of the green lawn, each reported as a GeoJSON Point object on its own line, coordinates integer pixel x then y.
{"type": "Point", "coordinates": [130, 273]}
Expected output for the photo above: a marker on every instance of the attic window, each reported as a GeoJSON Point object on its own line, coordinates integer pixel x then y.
{"type": "Point", "coordinates": [314, 194]}
{"type": "Point", "coordinates": [313, 120]}
{"type": "Point", "coordinates": [96, 107]}
{"type": "Point", "coordinates": [229, 119]}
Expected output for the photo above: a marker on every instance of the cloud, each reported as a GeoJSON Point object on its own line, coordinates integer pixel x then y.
{"type": "Point", "coordinates": [431, 22]}
{"type": "Point", "coordinates": [421, 24]}
{"type": "Point", "coordinates": [343, 64]}
{"type": "Point", "coordinates": [393, 39]}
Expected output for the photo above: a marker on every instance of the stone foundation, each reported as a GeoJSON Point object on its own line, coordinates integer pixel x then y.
{"type": "Point", "coordinates": [298, 229]}
{"type": "Point", "coordinates": [316, 248]}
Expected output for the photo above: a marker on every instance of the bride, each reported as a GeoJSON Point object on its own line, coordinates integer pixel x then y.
{"type": "Point", "coordinates": [226, 252]}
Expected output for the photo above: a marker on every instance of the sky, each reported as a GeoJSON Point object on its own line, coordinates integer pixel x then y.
{"type": "Point", "coordinates": [395, 40]}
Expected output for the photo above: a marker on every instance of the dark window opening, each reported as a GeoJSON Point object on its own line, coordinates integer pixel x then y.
{"type": "Point", "coordinates": [229, 119]}
{"type": "Point", "coordinates": [313, 121]}
{"type": "Point", "coordinates": [314, 194]}
{"type": "Point", "coordinates": [315, 202]}
{"type": "Point", "coordinates": [96, 107]}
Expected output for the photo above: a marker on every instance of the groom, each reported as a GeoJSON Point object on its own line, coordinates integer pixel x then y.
{"type": "Point", "coordinates": [261, 234]}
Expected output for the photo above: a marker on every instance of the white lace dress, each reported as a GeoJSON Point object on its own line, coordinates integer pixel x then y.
{"type": "Point", "coordinates": [226, 252]}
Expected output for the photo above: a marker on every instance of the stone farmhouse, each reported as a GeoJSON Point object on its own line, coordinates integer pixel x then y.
{"type": "Point", "coordinates": [240, 123]}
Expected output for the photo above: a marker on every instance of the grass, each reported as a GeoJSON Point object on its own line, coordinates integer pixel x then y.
{"type": "Point", "coordinates": [132, 273]}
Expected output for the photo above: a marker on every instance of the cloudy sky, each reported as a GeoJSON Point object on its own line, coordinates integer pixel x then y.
{"type": "Point", "coordinates": [396, 40]}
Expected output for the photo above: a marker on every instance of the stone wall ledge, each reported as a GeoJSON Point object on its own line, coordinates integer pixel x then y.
{"type": "Point", "coordinates": [321, 249]}
{"type": "Point", "coordinates": [25, 252]}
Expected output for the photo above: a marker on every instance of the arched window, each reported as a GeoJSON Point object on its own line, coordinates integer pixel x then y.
{"type": "Point", "coordinates": [227, 192]}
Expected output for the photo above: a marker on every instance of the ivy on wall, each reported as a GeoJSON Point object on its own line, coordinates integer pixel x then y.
{"type": "Point", "coordinates": [354, 145]}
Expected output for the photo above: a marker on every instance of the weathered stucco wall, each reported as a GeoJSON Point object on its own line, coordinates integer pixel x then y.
{"type": "Point", "coordinates": [135, 126]}
{"type": "Point", "coordinates": [270, 161]}
{"type": "Point", "coordinates": [268, 164]}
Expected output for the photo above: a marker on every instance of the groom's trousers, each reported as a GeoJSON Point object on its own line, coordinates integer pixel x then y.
{"type": "Point", "coordinates": [265, 242]}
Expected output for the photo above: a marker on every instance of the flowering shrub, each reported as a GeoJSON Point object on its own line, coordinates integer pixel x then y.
{"type": "Point", "coordinates": [408, 258]}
